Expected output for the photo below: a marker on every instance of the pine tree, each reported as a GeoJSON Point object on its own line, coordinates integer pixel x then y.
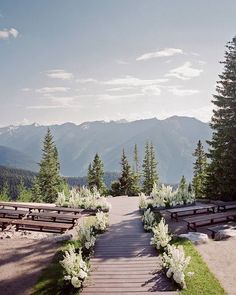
{"type": "Point", "coordinates": [48, 181]}
{"type": "Point", "coordinates": [96, 174]}
{"type": "Point", "coordinates": [146, 171]}
{"type": "Point", "coordinates": [136, 189]}
{"type": "Point", "coordinates": [183, 186]}
{"type": "Point", "coordinates": [126, 178]}
{"type": "Point", "coordinates": [150, 175]}
{"type": "Point", "coordinates": [199, 171]}
{"type": "Point", "coordinates": [222, 169]}
{"type": "Point", "coordinates": [153, 167]}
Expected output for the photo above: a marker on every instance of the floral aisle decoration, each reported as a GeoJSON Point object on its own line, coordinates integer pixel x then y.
{"type": "Point", "coordinates": [148, 219]}
{"type": "Point", "coordinates": [101, 222]}
{"type": "Point", "coordinates": [161, 236]}
{"type": "Point", "coordinates": [175, 264]}
{"type": "Point", "coordinates": [75, 268]}
{"type": "Point", "coordinates": [86, 236]}
{"type": "Point", "coordinates": [143, 201]}
{"type": "Point", "coordinates": [83, 198]}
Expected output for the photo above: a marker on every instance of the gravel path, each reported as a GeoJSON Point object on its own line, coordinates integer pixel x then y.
{"type": "Point", "coordinates": [21, 262]}
{"type": "Point", "coordinates": [124, 261]}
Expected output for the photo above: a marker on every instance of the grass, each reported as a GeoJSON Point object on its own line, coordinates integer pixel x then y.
{"type": "Point", "coordinates": [203, 282]}
{"type": "Point", "coordinates": [51, 280]}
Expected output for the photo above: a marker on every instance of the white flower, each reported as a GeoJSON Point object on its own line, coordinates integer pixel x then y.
{"type": "Point", "coordinates": [76, 282]}
{"type": "Point", "coordinates": [176, 263]}
{"type": "Point", "coordinates": [82, 274]}
{"type": "Point", "coordinates": [148, 219]}
{"type": "Point", "coordinates": [161, 237]}
{"type": "Point", "coordinates": [101, 222]}
{"type": "Point", "coordinates": [74, 266]}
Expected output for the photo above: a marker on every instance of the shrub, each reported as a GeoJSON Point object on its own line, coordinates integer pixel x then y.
{"type": "Point", "coordinates": [86, 236]}
{"type": "Point", "coordinates": [75, 268]}
{"type": "Point", "coordinates": [175, 262]}
{"type": "Point", "coordinates": [101, 222]}
{"type": "Point", "coordinates": [161, 237]}
{"type": "Point", "coordinates": [149, 220]}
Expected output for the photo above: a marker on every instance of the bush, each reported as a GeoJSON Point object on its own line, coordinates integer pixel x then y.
{"type": "Point", "coordinates": [161, 237]}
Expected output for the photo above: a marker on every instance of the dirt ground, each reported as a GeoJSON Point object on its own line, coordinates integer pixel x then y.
{"type": "Point", "coordinates": [21, 262]}
{"type": "Point", "coordinates": [221, 259]}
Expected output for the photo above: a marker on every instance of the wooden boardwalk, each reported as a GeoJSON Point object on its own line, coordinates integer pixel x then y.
{"type": "Point", "coordinates": [124, 262]}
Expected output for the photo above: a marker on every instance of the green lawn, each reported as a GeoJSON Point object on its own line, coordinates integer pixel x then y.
{"type": "Point", "coordinates": [203, 282]}
{"type": "Point", "coordinates": [51, 280]}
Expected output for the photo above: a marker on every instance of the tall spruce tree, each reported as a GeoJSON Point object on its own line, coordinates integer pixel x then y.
{"type": "Point", "coordinates": [154, 178]}
{"type": "Point", "coordinates": [183, 186]}
{"type": "Point", "coordinates": [126, 178]}
{"type": "Point", "coordinates": [48, 181]}
{"type": "Point", "coordinates": [136, 173]}
{"type": "Point", "coordinates": [199, 171]}
{"type": "Point", "coordinates": [150, 175]}
{"type": "Point", "coordinates": [222, 169]}
{"type": "Point", "coordinates": [96, 174]}
{"type": "Point", "coordinates": [136, 160]}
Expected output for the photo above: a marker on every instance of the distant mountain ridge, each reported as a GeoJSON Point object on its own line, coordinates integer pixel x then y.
{"type": "Point", "coordinates": [174, 139]}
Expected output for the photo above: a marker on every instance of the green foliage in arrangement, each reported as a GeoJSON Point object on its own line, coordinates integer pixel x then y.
{"type": "Point", "coordinates": [222, 169]}
{"type": "Point", "coordinates": [48, 181]}
{"type": "Point", "coordinates": [199, 171]}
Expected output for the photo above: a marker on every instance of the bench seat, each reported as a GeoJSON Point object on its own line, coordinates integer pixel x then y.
{"type": "Point", "coordinates": [27, 224]}
{"type": "Point", "coordinates": [217, 228]}
{"type": "Point", "coordinates": [197, 221]}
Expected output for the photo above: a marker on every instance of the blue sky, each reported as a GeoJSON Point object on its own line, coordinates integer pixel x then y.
{"type": "Point", "coordinates": [107, 60]}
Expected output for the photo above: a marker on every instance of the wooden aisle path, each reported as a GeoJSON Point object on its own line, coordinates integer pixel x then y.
{"type": "Point", "coordinates": [124, 262]}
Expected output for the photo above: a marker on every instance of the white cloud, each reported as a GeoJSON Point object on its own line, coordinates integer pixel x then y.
{"type": "Point", "coordinates": [151, 90]}
{"type": "Point", "coordinates": [26, 89]}
{"type": "Point", "coordinates": [7, 33]}
{"type": "Point", "coordinates": [161, 53]}
{"type": "Point", "coordinates": [121, 62]}
{"type": "Point", "coordinates": [88, 80]}
{"type": "Point", "coordinates": [59, 74]}
{"type": "Point", "coordinates": [184, 72]}
{"type": "Point", "coordinates": [46, 90]}
{"type": "Point", "coordinates": [178, 91]}
{"type": "Point", "coordinates": [115, 98]}
{"type": "Point", "coordinates": [133, 82]}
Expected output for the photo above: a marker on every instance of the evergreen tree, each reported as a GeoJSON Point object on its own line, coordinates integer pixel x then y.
{"type": "Point", "coordinates": [48, 181]}
{"type": "Point", "coordinates": [183, 186]}
{"type": "Point", "coordinates": [24, 194]}
{"type": "Point", "coordinates": [199, 171]}
{"type": "Point", "coordinates": [222, 169]}
{"type": "Point", "coordinates": [136, 160]}
{"type": "Point", "coordinates": [96, 174]}
{"type": "Point", "coordinates": [126, 179]}
{"type": "Point", "coordinates": [190, 189]}
{"type": "Point", "coordinates": [136, 173]}
{"type": "Point", "coordinates": [154, 178]}
{"type": "Point", "coordinates": [146, 170]}
{"type": "Point", "coordinates": [4, 193]}
{"type": "Point", "coordinates": [150, 175]}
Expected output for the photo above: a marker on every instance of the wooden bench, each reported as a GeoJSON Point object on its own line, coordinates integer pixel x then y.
{"type": "Point", "coordinates": [217, 228]}
{"type": "Point", "coordinates": [40, 208]}
{"type": "Point", "coordinates": [35, 225]}
{"type": "Point", "coordinates": [55, 217]}
{"type": "Point", "coordinates": [197, 221]}
{"type": "Point", "coordinates": [177, 212]}
{"type": "Point", "coordinates": [13, 213]}
{"type": "Point", "coordinates": [224, 206]}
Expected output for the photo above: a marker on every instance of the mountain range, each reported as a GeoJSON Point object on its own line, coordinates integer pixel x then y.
{"type": "Point", "coordinates": [174, 139]}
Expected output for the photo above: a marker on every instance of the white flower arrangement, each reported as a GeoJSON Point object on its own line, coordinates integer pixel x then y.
{"type": "Point", "coordinates": [165, 196]}
{"type": "Point", "coordinates": [83, 198]}
{"type": "Point", "coordinates": [101, 222]}
{"type": "Point", "coordinates": [75, 268]}
{"type": "Point", "coordinates": [86, 236]}
{"type": "Point", "coordinates": [148, 219]}
{"type": "Point", "coordinates": [143, 201]}
{"type": "Point", "coordinates": [161, 236]}
{"type": "Point", "coordinates": [176, 263]}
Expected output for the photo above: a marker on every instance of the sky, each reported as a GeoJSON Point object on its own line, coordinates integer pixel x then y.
{"type": "Point", "coordinates": [87, 60]}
